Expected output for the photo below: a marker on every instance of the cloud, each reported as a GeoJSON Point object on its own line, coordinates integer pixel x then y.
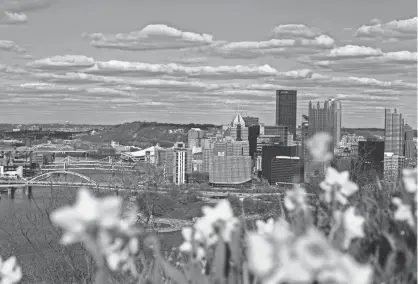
{"type": "Point", "coordinates": [151, 37]}
{"type": "Point", "coordinates": [393, 30]}
{"type": "Point", "coordinates": [296, 30]}
{"type": "Point", "coordinates": [63, 63]}
{"type": "Point", "coordinates": [375, 21]}
{"type": "Point", "coordinates": [191, 60]}
{"type": "Point", "coordinates": [18, 6]}
{"type": "Point", "coordinates": [8, 45]}
{"type": "Point", "coordinates": [365, 60]}
{"type": "Point", "coordinates": [10, 18]}
{"type": "Point", "coordinates": [294, 39]}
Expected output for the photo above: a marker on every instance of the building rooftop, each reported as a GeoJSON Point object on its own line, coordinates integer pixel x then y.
{"type": "Point", "coordinates": [238, 120]}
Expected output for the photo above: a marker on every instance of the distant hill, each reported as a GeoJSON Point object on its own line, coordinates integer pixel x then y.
{"type": "Point", "coordinates": [144, 134]}
{"type": "Point", "coordinates": [367, 132]}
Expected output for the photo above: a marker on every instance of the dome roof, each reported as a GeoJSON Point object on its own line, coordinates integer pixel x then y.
{"type": "Point", "coordinates": [238, 120]}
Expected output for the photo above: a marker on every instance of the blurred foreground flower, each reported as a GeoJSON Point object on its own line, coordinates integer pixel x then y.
{"type": "Point", "coordinates": [264, 228]}
{"type": "Point", "coordinates": [318, 147]}
{"type": "Point", "coordinates": [10, 271]}
{"type": "Point", "coordinates": [86, 216]}
{"type": "Point", "coordinates": [304, 259]}
{"type": "Point", "coordinates": [410, 180]}
{"type": "Point", "coordinates": [403, 212]}
{"type": "Point", "coordinates": [338, 185]}
{"type": "Point", "coordinates": [352, 225]}
{"type": "Point", "coordinates": [295, 199]}
{"type": "Point", "coordinates": [98, 223]}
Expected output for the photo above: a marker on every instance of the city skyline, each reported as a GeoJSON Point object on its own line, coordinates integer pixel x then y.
{"type": "Point", "coordinates": [102, 63]}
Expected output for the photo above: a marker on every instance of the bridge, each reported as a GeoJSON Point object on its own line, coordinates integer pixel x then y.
{"type": "Point", "coordinates": [109, 164]}
{"type": "Point", "coordinates": [69, 179]}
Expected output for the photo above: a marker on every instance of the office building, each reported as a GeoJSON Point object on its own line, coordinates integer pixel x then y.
{"type": "Point", "coordinates": [237, 129]}
{"type": "Point", "coordinates": [182, 163]}
{"type": "Point", "coordinates": [195, 137]}
{"type": "Point", "coordinates": [253, 134]}
{"type": "Point", "coordinates": [250, 120]}
{"type": "Point", "coordinates": [394, 132]}
{"type": "Point", "coordinates": [351, 139]}
{"type": "Point", "coordinates": [269, 152]}
{"type": "Point", "coordinates": [286, 109]}
{"type": "Point", "coordinates": [371, 161]}
{"type": "Point", "coordinates": [226, 171]}
{"type": "Point", "coordinates": [326, 119]}
{"type": "Point", "coordinates": [393, 165]}
{"type": "Point", "coordinates": [409, 144]}
{"type": "Point", "coordinates": [285, 170]}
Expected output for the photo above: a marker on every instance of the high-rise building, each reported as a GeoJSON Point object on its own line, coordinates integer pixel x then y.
{"type": "Point", "coordinates": [371, 161]}
{"type": "Point", "coordinates": [409, 144]}
{"type": "Point", "coordinates": [269, 152]}
{"type": "Point", "coordinates": [393, 165]}
{"type": "Point", "coordinates": [394, 132]}
{"type": "Point", "coordinates": [326, 119]}
{"type": "Point", "coordinates": [253, 133]}
{"type": "Point", "coordinates": [182, 163]}
{"type": "Point", "coordinates": [286, 109]}
{"type": "Point", "coordinates": [250, 120]}
{"type": "Point", "coordinates": [285, 170]}
{"type": "Point", "coordinates": [194, 137]}
{"type": "Point", "coordinates": [237, 129]}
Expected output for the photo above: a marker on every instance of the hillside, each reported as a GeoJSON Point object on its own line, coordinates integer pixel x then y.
{"type": "Point", "coordinates": [371, 133]}
{"type": "Point", "coordinates": [144, 134]}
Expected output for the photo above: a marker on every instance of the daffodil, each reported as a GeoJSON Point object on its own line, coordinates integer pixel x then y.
{"type": "Point", "coordinates": [264, 228]}
{"type": "Point", "coordinates": [10, 271]}
{"type": "Point", "coordinates": [345, 270]}
{"type": "Point", "coordinates": [410, 179]}
{"type": "Point", "coordinates": [87, 214]}
{"type": "Point", "coordinates": [193, 238]}
{"type": "Point", "coordinates": [295, 199]}
{"type": "Point", "coordinates": [353, 226]}
{"type": "Point", "coordinates": [338, 185]}
{"type": "Point", "coordinates": [403, 212]}
{"type": "Point", "coordinates": [318, 146]}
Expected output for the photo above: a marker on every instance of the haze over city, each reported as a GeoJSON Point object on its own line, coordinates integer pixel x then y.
{"type": "Point", "coordinates": [199, 61]}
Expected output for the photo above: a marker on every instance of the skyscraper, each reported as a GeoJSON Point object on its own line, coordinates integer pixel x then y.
{"type": "Point", "coordinates": [394, 132]}
{"type": "Point", "coordinates": [326, 119]}
{"type": "Point", "coordinates": [409, 147]}
{"type": "Point", "coordinates": [286, 107]}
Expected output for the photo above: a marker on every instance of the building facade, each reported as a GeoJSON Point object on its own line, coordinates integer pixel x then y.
{"type": "Point", "coordinates": [285, 170]}
{"type": "Point", "coordinates": [286, 109]}
{"type": "Point", "coordinates": [250, 120]}
{"type": "Point", "coordinates": [409, 144]}
{"type": "Point", "coordinates": [394, 132]}
{"type": "Point", "coordinates": [393, 165]}
{"type": "Point", "coordinates": [326, 119]}
{"type": "Point", "coordinates": [371, 157]}
{"type": "Point", "coordinates": [229, 170]}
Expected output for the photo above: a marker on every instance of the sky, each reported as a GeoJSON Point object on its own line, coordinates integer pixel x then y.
{"type": "Point", "coordinates": [195, 61]}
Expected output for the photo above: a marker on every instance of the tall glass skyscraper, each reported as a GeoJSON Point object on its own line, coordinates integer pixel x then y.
{"type": "Point", "coordinates": [286, 107]}
{"type": "Point", "coordinates": [394, 132]}
{"type": "Point", "coordinates": [326, 119]}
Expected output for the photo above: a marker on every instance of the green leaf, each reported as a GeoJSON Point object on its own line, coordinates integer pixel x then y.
{"type": "Point", "coordinates": [245, 273]}
{"type": "Point", "coordinates": [196, 275]}
{"type": "Point", "coordinates": [171, 272]}
{"type": "Point", "coordinates": [102, 277]}
{"type": "Point", "coordinates": [235, 247]}
{"type": "Point", "coordinates": [220, 260]}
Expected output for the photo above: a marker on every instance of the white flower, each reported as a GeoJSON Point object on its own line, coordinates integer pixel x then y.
{"type": "Point", "coordinates": [403, 212]}
{"type": "Point", "coordinates": [87, 214]}
{"type": "Point", "coordinates": [345, 270]}
{"type": "Point", "coordinates": [10, 271]}
{"type": "Point", "coordinates": [313, 250]}
{"type": "Point", "coordinates": [217, 221]}
{"type": "Point", "coordinates": [265, 228]}
{"type": "Point", "coordinates": [261, 255]}
{"type": "Point", "coordinates": [338, 184]}
{"type": "Point", "coordinates": [318, 146]}
{"type": "Point", "coordinates": [119, 253]}
{"type": "Point", "coordinates": [295, 199]}
{"type": "Point", "coordinates": [353, 226]}
{"type": "Point", "coordinates": [193, 238]}
{"type": "Point", "coordinates": [410, 179]}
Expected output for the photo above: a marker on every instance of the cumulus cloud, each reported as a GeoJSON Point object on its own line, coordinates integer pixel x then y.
{"type": "Point", "coordinates": [151, 37]}
{"type": "Point", "coordinates": [364, 59]}
{"type": "Point", "coordinates": [10, 18]}
{"type": "Point", "coordinates": [393, 30]}
{"type": "Point", "coordinates": [63, 63]}
{"type": "Point", "coordinates": [18, 6]}
{"type": "Point", "coordinates": [8, 45]}
{"type": "Point", "coordinates": [285, 40]}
